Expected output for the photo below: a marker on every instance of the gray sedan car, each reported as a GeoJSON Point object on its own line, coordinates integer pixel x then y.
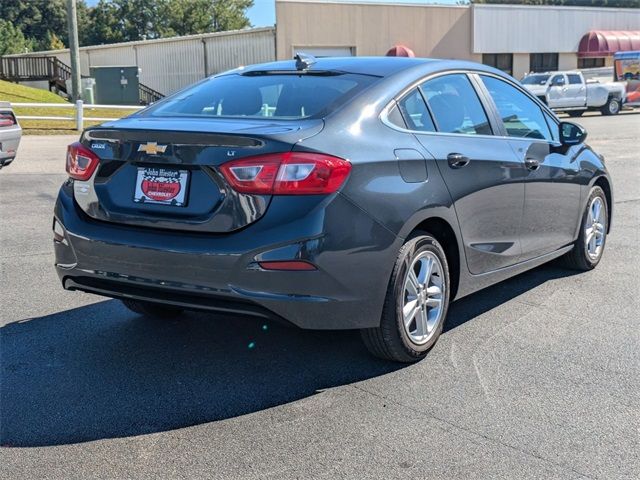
{"type": "Point", "coordinates": [10, 134]}
{"type": "Point", "coordinates": [344, 193]}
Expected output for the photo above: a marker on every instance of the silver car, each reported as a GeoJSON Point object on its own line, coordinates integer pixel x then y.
{"type": "Point", "coordinates": [10, 134]}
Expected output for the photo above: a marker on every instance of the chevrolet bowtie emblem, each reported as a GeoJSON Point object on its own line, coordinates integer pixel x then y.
{"type": "Point", "coordinates": [152, 148]}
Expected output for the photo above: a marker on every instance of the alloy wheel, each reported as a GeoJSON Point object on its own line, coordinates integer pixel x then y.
{"type": "Point", "coordinates": [595, 229]}
{"type": "Point", "coordinates": [423, 295]}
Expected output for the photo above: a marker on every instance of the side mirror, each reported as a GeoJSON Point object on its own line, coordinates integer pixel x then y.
{"type": "Point", "coordinates": [572, 134]}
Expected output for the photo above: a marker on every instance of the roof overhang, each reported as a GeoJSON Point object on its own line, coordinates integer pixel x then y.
{"type": "Point", "coordinates": [604, 43]}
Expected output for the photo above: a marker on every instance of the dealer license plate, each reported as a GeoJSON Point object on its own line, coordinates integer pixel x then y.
{"type": "Point", "coordinates": [163, 186]}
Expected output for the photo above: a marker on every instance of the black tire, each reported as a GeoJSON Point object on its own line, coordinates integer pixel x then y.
{"type": "Point", "coordinates": [612, 107]}
{"type": "Point", "coordinates": [149, 309]}
{"type": "Point", "coordinates": [575, 113]}
{"type": "Point", "coordinates": [390, 341]}
{"type": "Point", "coordinates": [577, 258]}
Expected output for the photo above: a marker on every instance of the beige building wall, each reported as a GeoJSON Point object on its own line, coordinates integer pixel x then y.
{"type": "Point", "coordinates": [520, 65]}
{"type": "Point", "coordinates": [567, 61]}
{"type": "Point", "coordinates": [370, 29]}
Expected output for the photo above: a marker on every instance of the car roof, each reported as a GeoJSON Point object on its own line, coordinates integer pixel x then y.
{"type": "Point", "coordinates": [632, 54]}
{"type": "Point", "coordinates": [378, 66]}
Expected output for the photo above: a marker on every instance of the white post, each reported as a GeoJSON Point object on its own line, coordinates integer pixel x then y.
{"type": "Point", "coordinates": [79, 116]}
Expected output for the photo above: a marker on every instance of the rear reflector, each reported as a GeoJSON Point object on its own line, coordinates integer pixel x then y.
{"type": "Point", "coordinates": [81, 162]}
{"type": "Point", "coordinates": [294, 265]}
{"type": "Point", "coordinates": [58, 232]}
{"type": "Point", "coordinates": [289, 173]}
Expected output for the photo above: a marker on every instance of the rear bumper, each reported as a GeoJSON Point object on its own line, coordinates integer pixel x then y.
{"type": "Point", "coordinates": [9, 142]}
{"type": "Point", "coordinates": [354, 256]}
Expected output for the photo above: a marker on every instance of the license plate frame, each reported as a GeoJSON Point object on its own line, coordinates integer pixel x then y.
{"type": "Point", "coordinates": [161, 186]}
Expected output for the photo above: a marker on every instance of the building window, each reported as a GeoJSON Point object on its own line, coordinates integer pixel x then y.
{"type": "Point", "coordinates": [501, 61]}
{"type": "Point", "coordinates": [590, 62]}
{"type": "Point", "coordinates": [543, 62]}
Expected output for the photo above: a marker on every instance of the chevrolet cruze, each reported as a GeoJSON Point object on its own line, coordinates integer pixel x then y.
{"type": "Point", "coordinates": [343, 193]}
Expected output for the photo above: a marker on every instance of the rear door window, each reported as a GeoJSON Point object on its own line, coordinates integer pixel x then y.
{"type": "Point", "coordinates": [574, 79]}
{"type": "Point", "coordinates": [455, 105]}
{"type": "Point", "coordinates": [521, 116]}
{"type": "Point", "coordinates": [415, 112]}
{"type": "Point", "coordinates": [274, 95]}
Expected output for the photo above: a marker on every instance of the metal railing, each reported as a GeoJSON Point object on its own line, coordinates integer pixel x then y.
{"type": "Point", "coordinates": [51, 69]}
{"type": "Point", "coordinates": [56, 72]}
{"type": "Point", "coordinates": [148, 95]}
{"type": "Point", "coordinates": [78, 108]}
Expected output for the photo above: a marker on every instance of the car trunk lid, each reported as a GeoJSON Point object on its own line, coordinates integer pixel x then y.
{"type": "Point", "coordinates": [163, 173]}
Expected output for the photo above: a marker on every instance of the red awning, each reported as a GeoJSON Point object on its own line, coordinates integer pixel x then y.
{"type": "Point", "coordinates": [604, 43]}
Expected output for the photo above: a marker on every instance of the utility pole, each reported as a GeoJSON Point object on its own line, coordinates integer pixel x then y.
{"type": "Point", "coordinates": [74, 49]}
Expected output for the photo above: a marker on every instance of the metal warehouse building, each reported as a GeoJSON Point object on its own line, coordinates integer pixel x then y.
{"type": "Point", "coordinates": [169, 64]}
{"type": "Point", "coordinates": [514, 38]}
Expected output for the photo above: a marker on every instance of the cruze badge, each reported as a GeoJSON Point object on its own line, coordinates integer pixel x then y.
{"type": "Point", "coordinates": [152, 148]}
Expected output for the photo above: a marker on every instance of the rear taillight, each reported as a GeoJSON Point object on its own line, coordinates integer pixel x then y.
{"type": "Point", "coordinates": [290, 173]}
{"type": "Point", "coordinates": [81, 162]}
{"type": "Point", "coordinates": [7, 120]}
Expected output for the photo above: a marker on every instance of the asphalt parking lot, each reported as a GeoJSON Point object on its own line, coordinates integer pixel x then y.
{"type": "Point", "coordinates": [537, 377]}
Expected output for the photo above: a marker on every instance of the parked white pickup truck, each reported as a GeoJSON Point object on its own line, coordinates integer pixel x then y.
{"type": "Point", "coordinates": [569, 92]}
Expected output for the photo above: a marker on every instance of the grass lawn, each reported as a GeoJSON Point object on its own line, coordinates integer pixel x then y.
{"type": "Point", "coordinates": [11, 92]}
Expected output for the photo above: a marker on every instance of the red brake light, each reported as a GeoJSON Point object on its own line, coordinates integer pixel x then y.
{"type": "Point", "coordinates": [289, 173]}
{"type": "Point", "coordinates": [81, 162]}
{"type": "Point", "coordinates": [7, 120]}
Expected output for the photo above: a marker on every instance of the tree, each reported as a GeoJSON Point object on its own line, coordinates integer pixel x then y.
{"type": "Point", "coordinates": [126, 20]}
{"type": "Point", "coordinates": [140, 19]}
{"type": "Point", "coordinates": [104, 25]}
{"type": "Point", "coordinates": [54, 42]}
{"type": "Point", "coordinates": [230, 14]}
{"type": "Point", "coordinates": [11, 39]}
{"type": "Point", "coordinates": [43, 23]}
{"type": "Point", "coordinates": [37, 19]}
{"type": "Point", "coordinates": [187, 17]}
{"type": "Point", "coordinates": [184, 17]}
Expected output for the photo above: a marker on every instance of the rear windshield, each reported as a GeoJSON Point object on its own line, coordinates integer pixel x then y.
{"type": "Point", "coordinates": [535, 79]}
{"type": "Point", "coordinates": [282, 96]}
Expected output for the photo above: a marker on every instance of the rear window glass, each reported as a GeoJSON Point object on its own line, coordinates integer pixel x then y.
{"type": "Point", "coordinates": [415, 112]}
{"type": "Point", "coordinates": [285, 96]}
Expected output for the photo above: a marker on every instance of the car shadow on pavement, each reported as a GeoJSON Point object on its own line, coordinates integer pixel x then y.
{"type": "Point", "coordinates": [100, 371]}
{"type": "Point", "coordinates": [482, 301]}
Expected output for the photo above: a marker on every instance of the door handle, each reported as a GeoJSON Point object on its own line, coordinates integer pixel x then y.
{"type": "Point", "coordinates": [531, 163]}
{"type": "Point", "coordinates": [457, 160]}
